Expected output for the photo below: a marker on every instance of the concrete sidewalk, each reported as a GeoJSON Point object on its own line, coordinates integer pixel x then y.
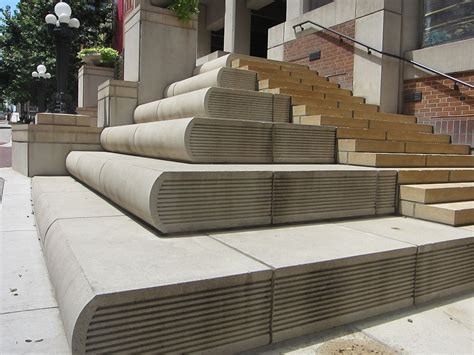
{"type": "Point", "coordinates": [30, 320]}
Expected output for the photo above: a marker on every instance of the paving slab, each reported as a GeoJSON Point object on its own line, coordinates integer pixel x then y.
{"type": "Point", "coordinates": [24, 283]}
{"type": "Point", "coordinates": [33, 332]}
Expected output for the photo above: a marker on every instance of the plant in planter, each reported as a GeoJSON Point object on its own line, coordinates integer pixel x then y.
{"type": "Point", "coordinates": [185, 9]}
{"type": "Point", "coordinates": [101, 56]}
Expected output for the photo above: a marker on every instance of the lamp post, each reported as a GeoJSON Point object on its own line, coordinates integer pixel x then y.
{"type": "Point", "coordinates": [61, 26]}
{"type": "Point", "coordinates": [42, 76]}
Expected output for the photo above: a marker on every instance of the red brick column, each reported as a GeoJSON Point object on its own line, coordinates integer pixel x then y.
{"type": "Point", "coordinates": [337, 59]}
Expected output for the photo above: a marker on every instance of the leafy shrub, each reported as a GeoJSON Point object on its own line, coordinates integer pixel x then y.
{"type": "Point", "coordinates": [109, 56]}
{"type": "Point", "coordinates": [185, 9]}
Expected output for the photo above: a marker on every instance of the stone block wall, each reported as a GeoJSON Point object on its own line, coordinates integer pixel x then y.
{"type": "Point", "coordinates": [448, 110]}
{"type": "Point", "coordinates": [337, 59]}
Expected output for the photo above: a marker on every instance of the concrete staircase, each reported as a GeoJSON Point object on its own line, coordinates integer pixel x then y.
{"type": "Point", "coordinates": [215, 155]}
{"type": "Point", "coordinates": [365, 136]}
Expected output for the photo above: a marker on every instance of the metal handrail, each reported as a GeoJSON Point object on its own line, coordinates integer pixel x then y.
{"type": "Point", "coordinates": [370, 49]}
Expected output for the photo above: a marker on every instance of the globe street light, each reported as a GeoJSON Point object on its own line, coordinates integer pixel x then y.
{"type": "Point", "coordinates": [61, 25]}
{"type": "Point", "coordinates": [41, 74]}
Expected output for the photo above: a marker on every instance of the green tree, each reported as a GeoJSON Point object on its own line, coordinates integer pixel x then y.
{"type": "Point", "coordinates": [25, 42]}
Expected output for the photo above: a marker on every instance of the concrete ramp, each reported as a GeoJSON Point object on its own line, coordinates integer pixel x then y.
{"type": "Point", "coordinates": [178, 197]}
{"type": "Point", "coordinates": [204, 140]}
{"type": "Point", "coordinates": [220, 103]}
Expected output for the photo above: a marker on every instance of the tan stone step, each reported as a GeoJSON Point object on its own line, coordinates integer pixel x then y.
{"type": "Point", "coordinates": [302, 100]}
{"type": "Point", "coordinates": [306, 75]}
{"type": "Point", "coordinates": [361, 133]}
{"type": "Point", "coordinates": [319, 82]}
{"type": "Point", "coordinates": [263, 63]}
{"type": "Point", "coordinates": [355, 99]}
{"type": "Point", "coordinates": [273, 84]}
{"type": "Point", "coordinates": [434, 175]}
{"type": "Point", "coordinates": [455, 213]}
{"type": "Point", "coordinates": [386, 160]}
{"type": "Point", "coordinates": [385, 117]}
{"type": "Point", "coordinates": [437, 148]}
{"type": "Point", "coordinates": [321, 120]}
{"type": "Point", "coordinates": [307, 110]}
{"type": "Point", "coordinates": [365, 108]}
{"type": "Point", "coordinates": [438, 193]}
{"type": "Point", "coordinates": [408, 136]}
{"type": "Point", "coordinates": [279, 75]}
{"type": "Point", "coordinates": [365, 145]}
{"type": "Point", "coordinates": [400, 126]}
{"type": "Point", "coordinates": [466, 161]}
{"type": "Point", "coordinates": [306, 93]}
{"type": "Point", "coordinates": [263, 69]}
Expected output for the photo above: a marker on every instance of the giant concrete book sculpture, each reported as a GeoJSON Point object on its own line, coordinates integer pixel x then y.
{"type": "Point", "coordinates": [205, 140]}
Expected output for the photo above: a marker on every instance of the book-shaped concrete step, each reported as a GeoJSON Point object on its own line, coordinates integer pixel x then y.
{"type": "Point", "coordinates": [387, 146]}
{"type": "Point", "coordinates": [161, 293]}
{"type": "Point", "coordinates": [221, 77]}
{"type": "Point", "coordinates": [217, 102]}
{"type": "Point", "coordinates": [227, 61]}
{"type": "Point", "coordinates": [394, 160]}
{"type": "Point", "coordinates": [208, 140]}
{"type": "Point", "coordinates": [178, 197]}
{"type": "Point", "coordinates": [445, 257]}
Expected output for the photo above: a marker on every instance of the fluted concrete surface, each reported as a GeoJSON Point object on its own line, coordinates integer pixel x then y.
{"type": "Point", "coordinates": [221, 77]}
{"type": "Point", "coordinates": [204, 140]}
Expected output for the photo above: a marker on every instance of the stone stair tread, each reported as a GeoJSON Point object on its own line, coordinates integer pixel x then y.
{"type": "Point", "coordinates": [273, 84]}
{"type": "Point", "coordinates": [395, 160]}
{"type": "Point", "coordinates": [388, 146]}
{"type": "Point", "coordinates": [331, 102]}
{"type": "Point", "coordinates": [438, 192]}
{"type": "Point", "coordinates": [410, 136]}
{"type": "Point", "coordinates": [382, 116]}
{"type": "Point", "coordinates": [434, 175]}
{"type": "Point", "coordinates": [452, 213]}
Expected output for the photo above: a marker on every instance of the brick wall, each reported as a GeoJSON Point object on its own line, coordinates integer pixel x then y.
{"type": "Point", "coordinates": [337, 59]}
{"type": "Point", "coordinates": [448, 110]}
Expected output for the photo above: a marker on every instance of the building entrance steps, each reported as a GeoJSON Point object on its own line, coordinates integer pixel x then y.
{"type": "Point", "coordinates": [178, 197]}
{"type": "Point", "coordinates": [222, 77]}
{"type": "Point", "coordinates": [216, 102]}
{"type": "Point", "coordinates": [122, 288]}
{"type": "Point", "coordinates": [205, 140]}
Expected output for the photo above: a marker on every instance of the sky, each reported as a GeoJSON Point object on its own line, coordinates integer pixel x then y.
{"type": "Point", "coordinates": [11, 3]}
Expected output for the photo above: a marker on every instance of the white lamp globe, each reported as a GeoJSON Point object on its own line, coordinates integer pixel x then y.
{"type": "Point", "coordinates": [64, 18]}
{"type": "Point", "coordinates": [41, 75]}
{"type": "Point", "coordinates": [47, 76]}
{"type": "Point", "coordinates": [34, 74]}
{"type": "Point", "coordinates": [41, 69]}
{"type": "Point", "coordinates": [62, 8]}
{"type": "Point", "coordinates": [74, 23]}
{"type": "Point", "coordinates": [50, 19]}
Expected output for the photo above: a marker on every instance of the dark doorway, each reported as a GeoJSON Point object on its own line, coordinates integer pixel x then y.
{"type": "Point", "coordinates": [217, 40]}
{"type": "Point", "coordinates": [262, 20]}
